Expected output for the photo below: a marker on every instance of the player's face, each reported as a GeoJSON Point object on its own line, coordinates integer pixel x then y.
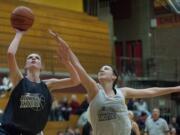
{"type": "Point", "coordinates": [33, 61]}
{"type": "Point", "coordinates": [106, 74]}
{"type": "Point", "coordinates": [155, 113]}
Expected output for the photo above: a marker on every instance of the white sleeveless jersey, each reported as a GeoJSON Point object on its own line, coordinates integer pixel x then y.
{"type": "Point", "coordinates": [109, 115]}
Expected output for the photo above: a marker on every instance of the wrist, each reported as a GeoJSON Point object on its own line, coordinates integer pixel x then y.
{"type": "Point", "coordinates": [177, 89]}
{"type": "Point", "coordinates": [67, 63]}
{"type": "Point", "coordinates": [19, 33]}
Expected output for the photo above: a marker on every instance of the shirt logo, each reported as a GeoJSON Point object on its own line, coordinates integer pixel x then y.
{"type": "Point", "coordinates": [34, 101]}
{"type": "Point", "coordinates": [106, 113]}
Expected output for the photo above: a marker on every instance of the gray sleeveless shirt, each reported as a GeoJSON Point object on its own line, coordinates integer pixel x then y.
{"type": "Point", "coordinates": [109, 115]}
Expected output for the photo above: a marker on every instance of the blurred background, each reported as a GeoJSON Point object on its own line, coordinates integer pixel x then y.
{"type": "Point", "coordinates": [138, 37]}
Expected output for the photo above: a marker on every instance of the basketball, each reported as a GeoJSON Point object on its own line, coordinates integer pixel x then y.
{"type": "Point", "coordinates": [22, 18]}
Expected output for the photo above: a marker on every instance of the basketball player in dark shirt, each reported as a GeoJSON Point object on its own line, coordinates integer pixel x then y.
{"type": "Point", "coordinates": [30, 102]}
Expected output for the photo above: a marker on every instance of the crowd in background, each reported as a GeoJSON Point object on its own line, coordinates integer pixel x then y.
{"type": "Point", "coordinates": [139, 114]}
{"type": "Point", "coordinates": [150, 123]}
{"type": "Point", "coordinates": [62, 109]}
{"type": "Point", "coordinates": [141, 117]}
{"type": "Point", "coordinates": [5, 86]}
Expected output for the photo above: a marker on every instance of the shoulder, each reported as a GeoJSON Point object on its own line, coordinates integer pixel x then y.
{"type": "Point", "coordinates": [49, 81]}
{"type": "Point", "coordinates": [99, 86]}
{"type": "Point", "coordinates": [122, 90]}
{"type": "Point", "coordinates": [149, 119]}
{"type": "Point", "coordinates": [24, 79]}
{"type": "Point", "coordinates": [19, 83]}
{"type": "Point", "coordinates": [162, 120]}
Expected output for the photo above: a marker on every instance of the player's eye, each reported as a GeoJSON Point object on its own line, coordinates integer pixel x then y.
{"type": "Point", "coordinates": [37, 57]}
{"type": "Point", "coordinates": [30, 57]}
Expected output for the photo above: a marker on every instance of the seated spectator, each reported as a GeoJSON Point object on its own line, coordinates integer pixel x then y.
{"type": "Point", "coordinates": [156, 125]}
{"type": "Point", "coordinates": [130, 104]}
{"type": "Point", "coordinates": [173, 131]}
{"type": "Point", "coordinates": [54, 115]}
{"type": "Point", "coordinates": [6, 86]}
{"type": "Point", "coordinates": [60, 133]}
{"type": "Point", "coordinates": [135, 129]}
{"type": "Point", "coordinates": [77, 131]}
{"type": "Point", "coordinates": [174, 126]}
{"type": "Point", "coordinates": [83, 119]}
{"type": "Point", "coordinates": [74, 104]}
{"type": "Point", "coordinates": [141, 121]}
{"type": "Point", "coordinates": [69, 131]}
{"type": "Point", "coordinates": [141, 106]}
{"type": "Point", "coordinates": [1, 114]}
{"type": "Point", "coordinates": [84, 105]}
{"type": "Point", "coordinates": [178, 122]}
{"type": "Point", "coordinates": [65, 109]}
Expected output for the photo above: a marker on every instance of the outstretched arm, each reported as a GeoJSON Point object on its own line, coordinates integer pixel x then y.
{"type": "Point", "coordinates": [67, 82]}
{"type": "Point", "coordinates": [149, 92]}
{"type": "Point", "coordinates": [14, 71]}
{"type": "Point", "coordinates": [89, 84]}
{"type": "Point", "coordinates": [136, 128]}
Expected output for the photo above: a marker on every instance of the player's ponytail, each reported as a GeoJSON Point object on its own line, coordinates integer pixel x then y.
{"type": "Point", "coordinates": [115, 81]}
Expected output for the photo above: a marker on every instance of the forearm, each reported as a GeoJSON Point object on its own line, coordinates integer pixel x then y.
{"type": "Point", "coordinates": [156, 91]}
{"type": "Point", "coordinates": [149, 92]}
{"type": "Point", "coordinates": [74, 59]}
{"type": "Point", "coordinates": [137, 131]}
{"type": "Point", "coordinates": [135, 128]}
{"type": "Point", "coordinates": [76, 63]}
{"type": "Point", "coordinates": [73, 74]}
{"type": "Point", "coordinates": [15, 43]}
{"type": "Point", "coordinates": [14, 72]}
{"type": "Point", "coordinates": [84, 77]}
{"type": "Point", "coordinates": [86, 80]}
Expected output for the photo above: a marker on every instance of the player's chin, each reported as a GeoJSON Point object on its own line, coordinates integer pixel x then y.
{"type": "Point", "coordinates": [102, 78]}
{"type": "Point", "coordinates": [34, 67]}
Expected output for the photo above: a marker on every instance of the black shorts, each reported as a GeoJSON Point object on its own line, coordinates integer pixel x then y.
{"type": "Point", "coordinates": [9, 130]}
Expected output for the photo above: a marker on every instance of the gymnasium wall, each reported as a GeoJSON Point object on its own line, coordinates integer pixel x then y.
{"type": "Point", "coordinates": [165, 47]}
{"type": "Point", "coordinates": [74, 5]}
{"type": "Point", "coordinates": [87, 36]}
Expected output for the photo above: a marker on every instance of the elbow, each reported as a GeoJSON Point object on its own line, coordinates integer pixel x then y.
{"type": "Point", "coordinates": [152, 94]}
{"type": "Point", "coordinates": [75, 82]}
{"type": "Point", "coordinates": [10, 54]}
{"type": "Point", "coordinates": [156, 92]}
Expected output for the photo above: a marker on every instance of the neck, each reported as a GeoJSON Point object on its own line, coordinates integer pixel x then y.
{"type": "Point", "coordinates": [108, 89]}
{"type": "Point", "coordinates": [33, 76]}
{"type": "Point", "coordinates": [155, 119]}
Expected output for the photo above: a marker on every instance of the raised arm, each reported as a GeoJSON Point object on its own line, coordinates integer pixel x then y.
{"type": "Point", "coordinates": [149, 92]}
{"type": "Point", "coordinates": [89, 84]}
{"type": "Point", "coordinates": [74, 79]}
{"type": "Point", "coordinates": [14, 71]}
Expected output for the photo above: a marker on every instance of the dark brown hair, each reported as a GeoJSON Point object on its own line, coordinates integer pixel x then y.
{"type": "Point", "coordinates": [116, 80]}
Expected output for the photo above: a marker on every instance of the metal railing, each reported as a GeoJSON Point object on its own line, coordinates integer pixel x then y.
{"type": "Point", "coordinates": [154, 68]}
